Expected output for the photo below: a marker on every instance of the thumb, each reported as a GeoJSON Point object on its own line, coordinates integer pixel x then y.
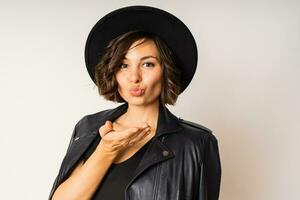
{"type": "Point", "coordinates": [106, 128]}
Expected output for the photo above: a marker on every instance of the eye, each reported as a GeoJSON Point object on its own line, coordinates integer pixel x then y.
{"type": "Point", "coordinates": [122, 65]}
{"type": "Point", "coordinates": [149, 64]}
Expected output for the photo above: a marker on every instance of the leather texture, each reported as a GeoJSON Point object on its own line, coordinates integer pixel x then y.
{"type": "Point", "coordinates": [181, 163]}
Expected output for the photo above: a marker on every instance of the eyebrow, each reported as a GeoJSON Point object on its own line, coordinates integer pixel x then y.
{"type": "Point", "coordinates": [145, 57]}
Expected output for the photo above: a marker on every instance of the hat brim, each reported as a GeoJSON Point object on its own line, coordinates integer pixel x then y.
{"type": "Point", "coordinates": [169, 28]}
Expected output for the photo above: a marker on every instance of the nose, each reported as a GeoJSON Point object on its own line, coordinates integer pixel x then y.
{"type": "Point", "coordinates": [135, 75]}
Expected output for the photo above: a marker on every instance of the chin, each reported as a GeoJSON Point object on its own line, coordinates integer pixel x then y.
{"type": "Point", "coordinates": [142, 100]}
{"type": "Point", "coordinates": [137, 101]}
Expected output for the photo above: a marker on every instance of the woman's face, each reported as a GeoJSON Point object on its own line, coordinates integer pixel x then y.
{"type": "Point", "coordinates": [139, 76]}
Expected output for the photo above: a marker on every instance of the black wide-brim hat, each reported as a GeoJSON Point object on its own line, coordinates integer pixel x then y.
{"type": "Point", "coordinates": [168, 27]}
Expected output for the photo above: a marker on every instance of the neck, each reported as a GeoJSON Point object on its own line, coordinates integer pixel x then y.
{"type": "Point", "coordinates": [142, 113]}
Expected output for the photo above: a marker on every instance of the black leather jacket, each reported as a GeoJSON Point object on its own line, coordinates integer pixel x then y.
{"type": "Point", "coordinates": [181, 163]}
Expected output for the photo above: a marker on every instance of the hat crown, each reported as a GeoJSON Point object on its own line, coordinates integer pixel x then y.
{"type": "Point", "coordinates": [168, 27]}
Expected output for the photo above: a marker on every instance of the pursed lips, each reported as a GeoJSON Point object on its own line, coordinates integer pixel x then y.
{"type": "Point", "coordinates": [136, 91]}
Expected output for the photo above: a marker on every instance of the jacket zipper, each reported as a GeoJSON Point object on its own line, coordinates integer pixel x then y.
{"type": "Point", "coordinates": [157, 177]}
{"type": "Point", "coordinates": [156, 180]}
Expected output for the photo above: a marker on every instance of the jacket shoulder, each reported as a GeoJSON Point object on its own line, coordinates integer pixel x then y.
{"type": "Point", "coordinates": [89, 123]}
{"type": "Point", "coordinates": [93, 117]}
{"type": "Point", "coordinates": [196, 130]}
{"type": "Point", "coordinates": [194, 125]}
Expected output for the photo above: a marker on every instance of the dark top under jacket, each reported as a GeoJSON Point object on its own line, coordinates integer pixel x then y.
{"type": "Point", "coordinates": [118, 176]}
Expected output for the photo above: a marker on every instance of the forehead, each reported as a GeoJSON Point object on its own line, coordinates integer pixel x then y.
{"type": "Point", "coordinates": [142, 47]}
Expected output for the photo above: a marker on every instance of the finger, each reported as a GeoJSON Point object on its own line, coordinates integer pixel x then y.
{"type": "Point", "coordinates": [139, 137]}
{"type": "Point", "coordinates": [142, 125]}
{"type": "Point", "coordinates": [109, 124]}
{"type": "Point", "coordinates": [139, 134]}
{"type": "Point", "coordinates": [129, 133]}
{"type": "Point", "coordinates": [143, 134]}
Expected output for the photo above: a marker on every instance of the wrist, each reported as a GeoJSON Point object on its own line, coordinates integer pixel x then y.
{"type": "Point", "coordinates": [107, 155]}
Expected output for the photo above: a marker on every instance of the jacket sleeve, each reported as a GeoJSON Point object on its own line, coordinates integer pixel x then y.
{"type": "Point", "coordinates": [57, 180]}
{"type": "Point", "coordinates": [210, 178]}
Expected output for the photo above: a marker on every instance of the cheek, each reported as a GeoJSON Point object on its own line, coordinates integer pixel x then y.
{"type": "Point", "coordinates": [154, 80]}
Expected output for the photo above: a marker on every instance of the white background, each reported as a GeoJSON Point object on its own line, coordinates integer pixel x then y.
{"type": "Point", "coordinates": [246, 89]}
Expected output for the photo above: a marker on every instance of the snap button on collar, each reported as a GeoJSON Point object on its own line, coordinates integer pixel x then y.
{"type": "Point", "coordinates": [77, 138]}
{"type": "Point", "coordinates": [165, 153]}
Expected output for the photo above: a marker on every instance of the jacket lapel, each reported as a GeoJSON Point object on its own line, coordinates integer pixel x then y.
{"type": "Point", "coordinates": [76, 151]}
{"type": "Point", "coordinates": [86, 135]}
{"type": "Point", "coordinates": [157, 151]}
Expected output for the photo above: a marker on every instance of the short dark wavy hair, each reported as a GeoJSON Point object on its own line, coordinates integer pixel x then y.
{"type": "Point", "coordinates": [115, 52]}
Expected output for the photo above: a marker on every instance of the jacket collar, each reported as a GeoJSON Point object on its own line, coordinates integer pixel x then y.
{"type": "Point", "coordinates": [167, 122]}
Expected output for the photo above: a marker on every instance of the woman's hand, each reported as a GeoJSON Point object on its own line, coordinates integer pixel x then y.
{"type": "Point", "coordinates": [113, 143]}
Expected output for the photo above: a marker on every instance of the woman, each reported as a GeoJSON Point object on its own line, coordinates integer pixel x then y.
{"type": "Point", "coordinates": [145, 57]}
